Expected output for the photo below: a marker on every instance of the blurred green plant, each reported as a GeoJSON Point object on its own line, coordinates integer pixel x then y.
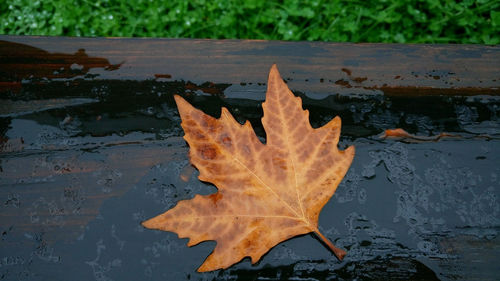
{"type": "Point", "coordinates": [401, 21]}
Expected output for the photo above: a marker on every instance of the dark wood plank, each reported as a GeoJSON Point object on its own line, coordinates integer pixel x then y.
{"type": "Point", "coordinates": [90, 146]}
{"type": "Point", "coordinates": [310, 67]}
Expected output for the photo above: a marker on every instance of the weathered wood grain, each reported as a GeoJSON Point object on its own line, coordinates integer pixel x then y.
{"type": "Point", "coordinates": [309, 67]}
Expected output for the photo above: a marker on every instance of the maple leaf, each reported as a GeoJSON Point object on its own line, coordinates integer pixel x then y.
{"type": "Point", "coordinates": [267, 193]}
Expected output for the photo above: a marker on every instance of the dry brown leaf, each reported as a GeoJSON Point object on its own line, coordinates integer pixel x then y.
{"type": "Point", "coordinates": [399, 133]}
{"type": "Point", "coordinates": [267, 193]}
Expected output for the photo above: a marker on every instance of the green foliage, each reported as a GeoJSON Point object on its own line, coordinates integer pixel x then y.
{"type": "Point", "coordinates": [402, 21]}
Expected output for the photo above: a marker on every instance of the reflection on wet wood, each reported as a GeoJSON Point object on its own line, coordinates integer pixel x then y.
{"type": "Point", "coordinates": [22, 61]}
{"type": "Point", "coordinates": [20, 107]}
{"type": "Point", "coordinates": [66, 188]}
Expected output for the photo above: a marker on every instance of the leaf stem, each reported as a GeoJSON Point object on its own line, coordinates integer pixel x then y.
{"type": "Point", "coordinates": [339, 253]}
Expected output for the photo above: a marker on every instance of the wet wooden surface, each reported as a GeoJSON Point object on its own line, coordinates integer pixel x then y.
{"type": "Point", "coordinates": [90, 145]}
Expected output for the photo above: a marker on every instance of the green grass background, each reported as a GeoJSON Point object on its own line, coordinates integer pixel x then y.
{"type": "Point", "coordinates": [401, 21]}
